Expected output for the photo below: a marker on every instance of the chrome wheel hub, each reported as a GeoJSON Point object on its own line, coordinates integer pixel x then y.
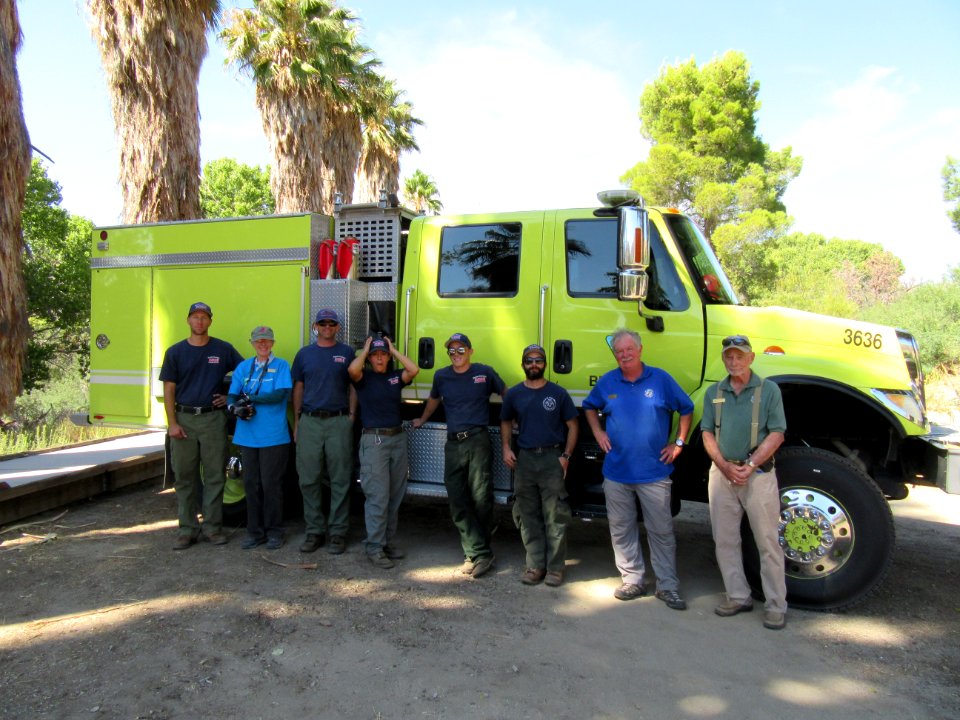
{"type": "Point", "coordinates": [814, 532]}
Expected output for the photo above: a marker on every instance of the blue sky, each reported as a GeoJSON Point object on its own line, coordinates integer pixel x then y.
{"type": "Point", "coordinates": [534, 104]}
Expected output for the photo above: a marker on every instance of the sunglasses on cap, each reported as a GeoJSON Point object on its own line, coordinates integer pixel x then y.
{"type": "Point", "coordinates": [536, 360]}
{"type": "Point", "coordinates": [457, 351]}
{"type": "Point", "coordinates": [736, 341]}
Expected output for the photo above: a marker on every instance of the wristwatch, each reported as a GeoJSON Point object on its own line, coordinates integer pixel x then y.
{"type": "Point", "coordinates": [679, 443]}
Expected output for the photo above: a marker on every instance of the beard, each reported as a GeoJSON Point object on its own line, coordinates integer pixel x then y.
{"type": "Point", "coordinates": [534, 372]}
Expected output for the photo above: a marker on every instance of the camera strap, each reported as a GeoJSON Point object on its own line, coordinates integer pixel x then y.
{"type": "Point", "coordinates": [263, 371]}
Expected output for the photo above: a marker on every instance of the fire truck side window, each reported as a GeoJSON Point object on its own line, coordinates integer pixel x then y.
{"type": "Point", "coordinates": [592, 265]}
{"type": "Point", "coordinates": [480, 260]}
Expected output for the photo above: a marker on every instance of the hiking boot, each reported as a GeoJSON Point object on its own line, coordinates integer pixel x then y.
{"type": "Point", "coordinates": [311, 542]}
{"type": "Point", "coordinates": [629, 591]}
{"type": "Point", "coordinates": [482, 565]}
{"type": "Point", "coordinates": [467, 567]}
{"type": "Point", "coordinates": [381, 560]}
{"type": "Point", "coordinates": [251, 542]}
{"type": "Point", "coordinates": [672, 599]}
{"type": "Point", "coordinates": [274, 543]}
{"type": "Point", "coordinates": [394, 552]}
{"type": "Point", "coordinates": [218, 538]}
{"type": "Point", "coordinates": [554, 578]}
{"type": "Point", "coordinates": [338, 544]}
{"type": "Point", "coordinates": [728, 608]}
{"type": "Point", "coordinates": [183, 542]}
{"type": "Point", "coordinates": [773, 620]}
{"type": "Point", "coordinates": [533, 576]}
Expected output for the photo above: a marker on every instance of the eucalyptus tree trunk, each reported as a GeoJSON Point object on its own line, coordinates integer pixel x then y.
{"type": "Point", "coordinates": [152, 51]}
{"type": "Point", "coordinates": [14, 171]}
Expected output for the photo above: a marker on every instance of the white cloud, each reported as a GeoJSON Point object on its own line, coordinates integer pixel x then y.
{"type": "Point", "coordinates": [871, 172]}
{"type": "Point", "coordinates": [512, 121]}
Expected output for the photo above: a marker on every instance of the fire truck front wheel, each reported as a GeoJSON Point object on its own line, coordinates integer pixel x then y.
{"type": "Point", "coordinates": [835, 529]}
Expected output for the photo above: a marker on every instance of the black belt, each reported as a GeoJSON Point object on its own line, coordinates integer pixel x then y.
{"type": "Point", "coordinates": [386, 432]}
{"type": "Point", "coordinates": [464, 434]}
{"type": "Point", "coordinates": [190, 410]}
{"type": "Point", "coordinates": [541, 450]}
{"type": "Point", "coordinates": [324, 414]}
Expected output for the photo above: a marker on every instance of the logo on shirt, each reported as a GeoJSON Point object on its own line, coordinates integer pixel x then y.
{"type": "Point", "coordinates": [213, 360]}
{"type": "Point", "coordinates": [648, 393]}
{"type": "Point", "coordinates": [479, 379]}
{"type": "Point", "coordinates": [339, 359]}
{"type": "Point", "coordinates": [393, 381]}
{"type": "Point", "coordinates": [549, 404]}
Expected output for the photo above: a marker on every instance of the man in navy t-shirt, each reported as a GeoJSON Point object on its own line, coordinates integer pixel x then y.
{"type": "Point", "coordinates": [323, 411]}
{"type": "Point", "coordinates": [638, 402]}
{"type": "Point", "coordinates": [192, 374]}
{"type": "Point", "coordinates": [547, 421]}
{"type": "Point", "coordinates": [465, 389]}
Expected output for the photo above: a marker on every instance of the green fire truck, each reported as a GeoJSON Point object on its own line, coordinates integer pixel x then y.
{"type": "Point", "coordinates": [857, 434]}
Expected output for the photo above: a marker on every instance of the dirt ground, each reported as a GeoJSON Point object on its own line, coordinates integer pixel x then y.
{"type": "Point", "coordinates": [100, 619]}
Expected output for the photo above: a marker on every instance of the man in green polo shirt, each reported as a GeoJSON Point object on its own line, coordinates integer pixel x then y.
{"type": "Point", "coordinates": [743, 425]}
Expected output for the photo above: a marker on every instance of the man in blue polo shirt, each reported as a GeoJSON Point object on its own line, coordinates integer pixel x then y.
{"type": "Point", "coordinates": [192, 374]}
{"type": "Point", "coordinates": [638, 402]}
{"type": "Point", "coordinates": [547, 422]}
{"type": "Point", "coordinates": [465, 389]}
{"type": "Point", "coordinates": [323, 410]}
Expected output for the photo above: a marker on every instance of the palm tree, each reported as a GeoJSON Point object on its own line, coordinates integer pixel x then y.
{"type": "Point", "coordinates": [152, 51]}
{"type": "Point", "coordinates": [387, 132]}
{"type": "Point", "coordinates": [14, 170]}
{"type": "Point", "coordinates": [308, 70]}
{"type": "Point", "coordinates": [421, 191]}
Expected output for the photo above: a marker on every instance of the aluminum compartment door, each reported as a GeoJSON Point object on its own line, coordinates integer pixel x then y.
{"type": "Point", "coordinates": [241, 296]}
{"type": "Point", "coordinates": [586, 261]}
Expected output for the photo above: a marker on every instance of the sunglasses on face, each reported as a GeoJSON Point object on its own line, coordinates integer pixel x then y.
{"type": "Point", "coordinates": [735, 341]}
{"type": "Point", "coordinates": [456, 351]}
{"type": "Point", "coordinates": [534, 361]}
{"type": "Point", "coordinates": [327, 323]}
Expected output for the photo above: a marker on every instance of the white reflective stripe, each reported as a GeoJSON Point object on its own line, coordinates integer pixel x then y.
{"type": "Point", "coordinates": [119, 377]}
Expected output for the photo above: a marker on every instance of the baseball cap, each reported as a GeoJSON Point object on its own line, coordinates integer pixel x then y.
{"type": "Point", "coordinates": [460, 338]}
{"type": "Point", "coordinates": [328, 314]}
{"type": "Point", "coordinates": [261, 332]}
{"type": "Point", "coordinates": [200, 307]}
{"type": "Point", "coordinates": [379, 345]}
{"type": "Point", "coordinates": [534, 349]}
{"type": "Point", "coordinates": [737, 342]}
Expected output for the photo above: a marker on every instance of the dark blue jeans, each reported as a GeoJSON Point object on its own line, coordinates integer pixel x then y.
{"type": "Point", "coordinates": [263, 471]}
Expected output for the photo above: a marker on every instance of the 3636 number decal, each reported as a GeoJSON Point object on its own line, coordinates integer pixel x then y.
{"type": "Point", "coordinates": [862, 339]}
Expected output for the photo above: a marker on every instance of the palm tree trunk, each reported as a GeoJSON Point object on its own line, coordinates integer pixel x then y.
{"type": "Point", "coordinates": [341, 152]}
{"type": "Point", "coordinates": [14, 171]}
{"type": "Point", "coordinates": [377, 171]}
{"type": "Point", "coordinates": [293, 125]}
{"type": "Point", "coordinates": [152, 51]}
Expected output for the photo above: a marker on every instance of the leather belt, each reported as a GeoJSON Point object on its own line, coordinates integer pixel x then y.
{"type": "Point", "coordinates": [191, 410]}
{"type": "Point", "coordinates": [386, 432]}
{"type": "Point", "coordinates": [464, 434]}
{"type": "Point", "coordinates": [541, 450]}
{"type": "Point", "coordinates": [324, 414]}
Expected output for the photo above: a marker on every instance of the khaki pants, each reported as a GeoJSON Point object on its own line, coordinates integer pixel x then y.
{"type": "Point", "coordinates": [760, 498]}
{"type": "Point", "coordinates": [199, 463]}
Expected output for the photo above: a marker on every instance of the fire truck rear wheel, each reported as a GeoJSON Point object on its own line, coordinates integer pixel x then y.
{"type": "Point", "coordinates": [836, 530]}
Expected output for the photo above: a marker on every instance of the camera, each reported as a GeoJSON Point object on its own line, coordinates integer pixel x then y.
{"type": "Point", "coordinates": [243, 408]}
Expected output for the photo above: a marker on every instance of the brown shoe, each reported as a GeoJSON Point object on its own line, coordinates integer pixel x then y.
{"type": "Point", "coordinates": [773, 620]}
{"type": "Point", "coordinates": [218, 538]}
{"type": "Point", "coordinates": [533, 576]}
{"type": "Point", "coordinates": [554, 578]}
{"type": "Point", "coordinates": [337, 545]}
{"type": "Point", "coordinates": [467, 567]}
{"type": "Point", "coordinates": [311, 542]}
{"type": "Point", "coordinates": [394, 552]}
{"type": "Point", "coordinates": [729, 608]}
{"type": "Point", "coordinates": [183, 542]}
{"type": "Point", "coordinates": [482, 566]}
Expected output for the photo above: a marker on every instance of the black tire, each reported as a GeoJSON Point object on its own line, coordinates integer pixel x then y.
{"type": "Point", "coordinates": [836, 530]}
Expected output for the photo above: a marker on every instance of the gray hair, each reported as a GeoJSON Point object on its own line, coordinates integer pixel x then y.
{"type": "Point", "coordinates": [621, 333]}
